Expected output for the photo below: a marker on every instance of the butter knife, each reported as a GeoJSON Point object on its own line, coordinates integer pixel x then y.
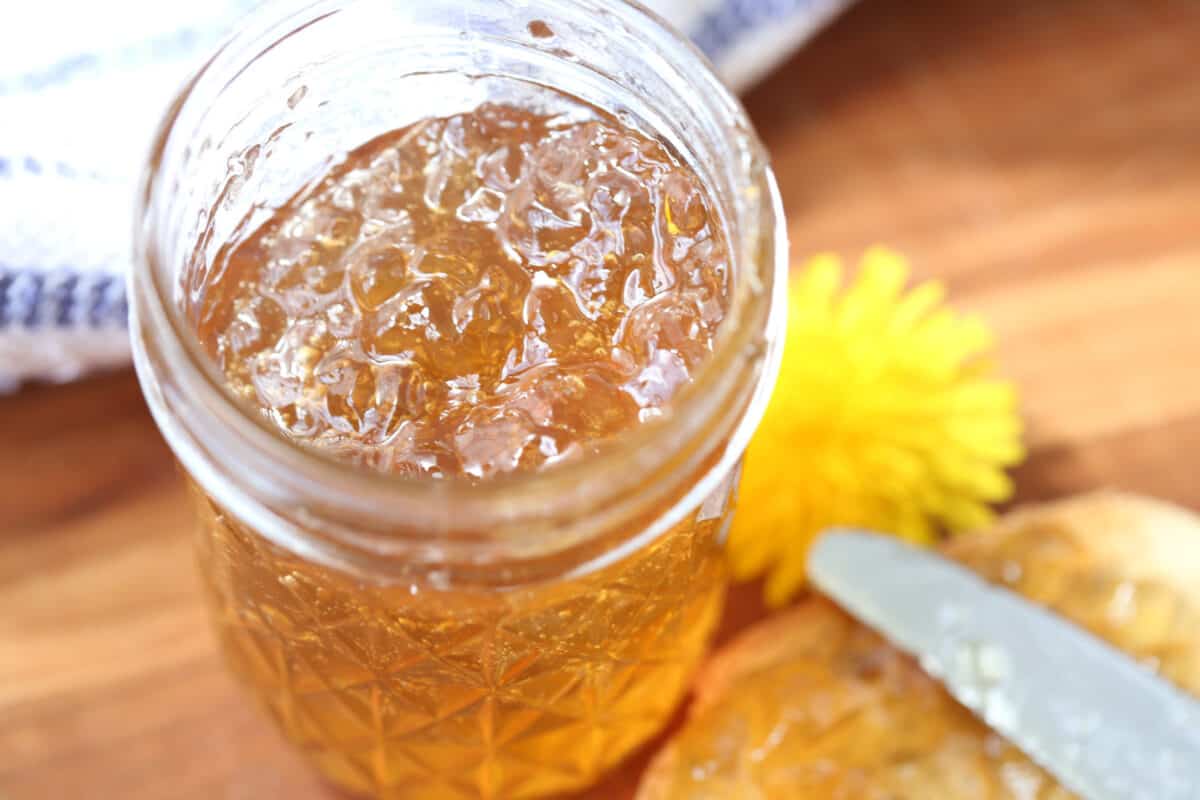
{"type": "Point", "coordinates": [1105, 726]}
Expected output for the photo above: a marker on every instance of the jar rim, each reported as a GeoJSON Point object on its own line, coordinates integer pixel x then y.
{"type": "Point", "coordinates": [750, 334]}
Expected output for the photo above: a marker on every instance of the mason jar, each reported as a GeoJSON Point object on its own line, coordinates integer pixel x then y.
{"type": "Point", "coordinates": [514, 637]}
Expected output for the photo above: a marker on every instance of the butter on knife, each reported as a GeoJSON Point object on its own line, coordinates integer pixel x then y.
{"type": "Point", "coordinates": [1104, 725]}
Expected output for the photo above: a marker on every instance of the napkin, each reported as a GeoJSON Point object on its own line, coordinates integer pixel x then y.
{"type": "Point", "coordinates": [82, 88]}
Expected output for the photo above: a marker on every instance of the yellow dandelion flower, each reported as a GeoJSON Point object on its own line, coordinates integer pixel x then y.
{"type": "Point", "coordinates": [887, 416]}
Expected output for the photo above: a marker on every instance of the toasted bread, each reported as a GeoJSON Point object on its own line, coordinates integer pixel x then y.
{"type": "Point", "coordinates": [810, 704]}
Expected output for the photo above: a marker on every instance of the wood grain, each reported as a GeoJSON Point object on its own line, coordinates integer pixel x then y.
{"type": "Point", "coordinates": [1040, 156]}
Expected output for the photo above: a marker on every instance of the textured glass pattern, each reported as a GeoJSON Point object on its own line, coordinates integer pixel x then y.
{"type": "Point", "coordinates": [409, 691]}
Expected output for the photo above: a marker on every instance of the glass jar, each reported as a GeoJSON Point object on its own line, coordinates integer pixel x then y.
{"type": "Point", "coordinates": [434, 638]}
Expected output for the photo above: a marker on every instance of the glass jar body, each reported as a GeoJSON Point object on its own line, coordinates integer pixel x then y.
{"type": "Point", "coordinates": [511, 638]}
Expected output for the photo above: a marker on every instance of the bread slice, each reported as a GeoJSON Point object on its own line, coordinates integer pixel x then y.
{"type": "Point", "coordinates": [810, 704]}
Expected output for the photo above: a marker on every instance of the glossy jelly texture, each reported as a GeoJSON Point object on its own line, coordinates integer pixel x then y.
{"type": "Point", "coordinates": [494, 291]}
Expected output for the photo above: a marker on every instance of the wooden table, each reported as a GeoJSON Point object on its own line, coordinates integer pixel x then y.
{"type": "Point", "coordinates": [1042, 156]}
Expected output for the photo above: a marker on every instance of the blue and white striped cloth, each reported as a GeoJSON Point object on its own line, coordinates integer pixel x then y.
{"type": "Point", "coordinates": [82, 86]}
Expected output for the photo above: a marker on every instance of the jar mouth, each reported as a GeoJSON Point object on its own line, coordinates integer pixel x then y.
{"type": "Point", "coordinates": [209, 428]}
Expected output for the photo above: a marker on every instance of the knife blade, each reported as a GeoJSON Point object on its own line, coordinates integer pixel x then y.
{"type": "Point", "coordinates": [1104, 725]}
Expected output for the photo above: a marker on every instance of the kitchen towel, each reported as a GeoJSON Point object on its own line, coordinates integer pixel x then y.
{"type": "Point", "coordinates": [82, 88]}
